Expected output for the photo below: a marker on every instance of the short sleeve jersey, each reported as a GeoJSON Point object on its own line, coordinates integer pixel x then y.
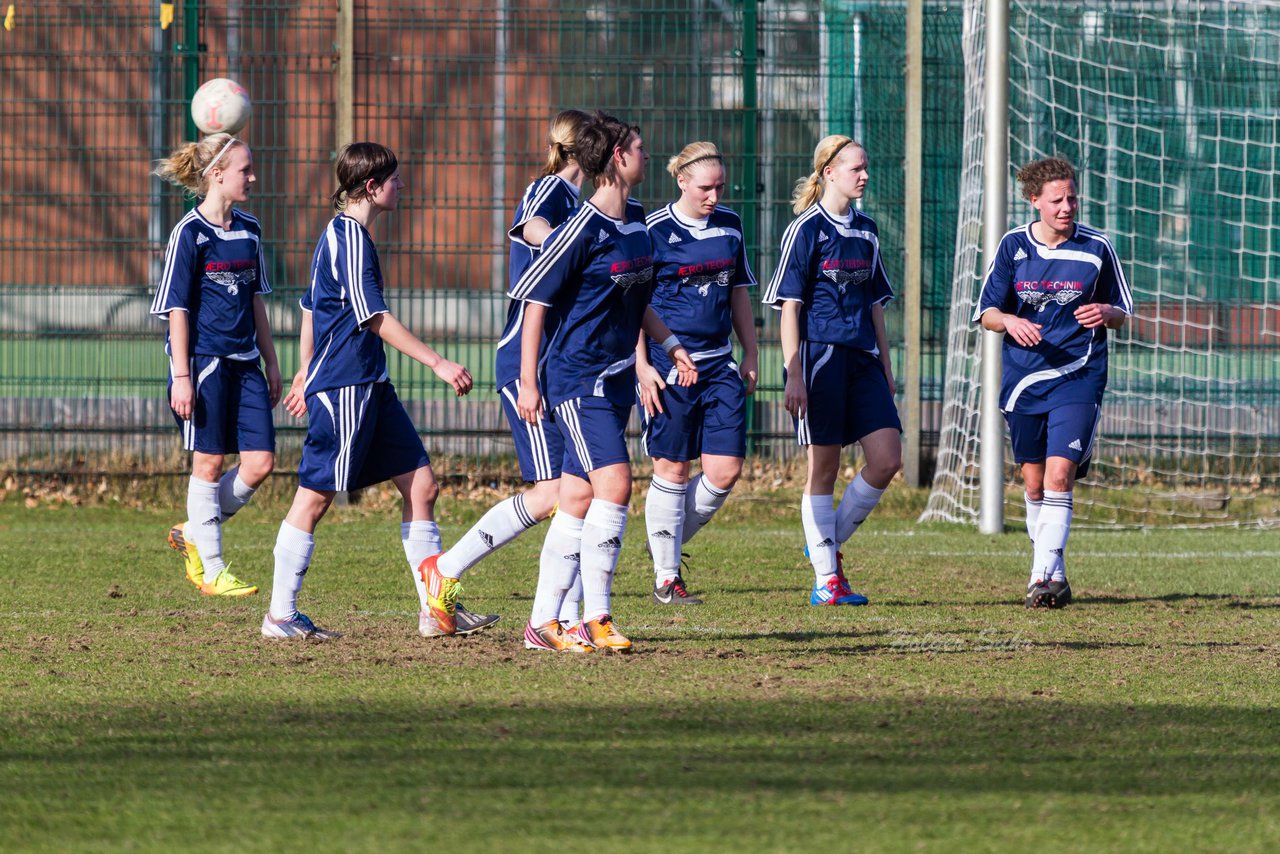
{"type": "Point", "coordinates": [553, 199]}
{"type": "Point", "coordinates": [213, 273]}
{"type": "Point", "coordinates": [697, 263]}
{"type": "Point", "coordinates": [1046, 285]}
{"type": "Point", "coordinates": [834, 270]}
{"type": "Point", "coordinates": [344, 295]}
{"type": "Point", "coordinates": [595, 275]}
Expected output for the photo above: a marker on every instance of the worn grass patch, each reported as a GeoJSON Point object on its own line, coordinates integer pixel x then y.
{"type": "Point", "coordinates": [136, 715]}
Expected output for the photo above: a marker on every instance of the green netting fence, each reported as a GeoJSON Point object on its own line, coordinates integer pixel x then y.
{"type": "Point", "coordinates": [95, 93]}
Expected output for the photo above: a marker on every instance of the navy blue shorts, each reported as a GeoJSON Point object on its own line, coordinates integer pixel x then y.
{"type": "Point", "coordinates": [594, 431]}
{"type": "Point", "coordinates": [708, 417]}
{"type": "Point", "coordinates": [1066, 431]}
{"type": "Point", "coordinates": [539, 447]}
{"type": "Point", "coordinates": [848, 396]}
{"type": "Point", "coordinates": [358, 435]}
{"type": "Point", "coordinates": [232, 411]}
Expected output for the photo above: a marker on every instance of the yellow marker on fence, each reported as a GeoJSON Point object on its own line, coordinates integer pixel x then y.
{"type": "Point", "coordinates": [8, 17]}
{"type": "Point", "coordinates": [166, 15]}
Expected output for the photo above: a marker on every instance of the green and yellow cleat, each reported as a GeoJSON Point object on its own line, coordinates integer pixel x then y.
{"type": "Point", "coordinates": [227, 584]}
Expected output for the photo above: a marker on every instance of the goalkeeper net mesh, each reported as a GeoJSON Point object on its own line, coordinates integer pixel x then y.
{"type": "Point", "coordinates": [1171, 113]}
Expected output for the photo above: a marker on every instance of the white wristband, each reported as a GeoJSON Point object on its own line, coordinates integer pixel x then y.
{"type": "Point", "coordinates": [671, 343]}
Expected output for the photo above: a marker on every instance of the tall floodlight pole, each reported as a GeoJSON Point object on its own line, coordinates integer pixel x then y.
{"type": "Point", "coordinates": [995, 170]}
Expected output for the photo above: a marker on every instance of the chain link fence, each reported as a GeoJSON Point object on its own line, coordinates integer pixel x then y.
{"type": "Point", "coordinates": [463, 92]}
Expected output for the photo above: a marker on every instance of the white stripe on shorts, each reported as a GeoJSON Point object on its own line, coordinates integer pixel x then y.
{"type": "Point", "coordinates": [537, 443]}
{"type": "Point", "coordinates": [568, 412]}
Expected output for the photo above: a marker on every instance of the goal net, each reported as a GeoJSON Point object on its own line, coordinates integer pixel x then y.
{"type": "Point", "coordinates": [1171, 113]}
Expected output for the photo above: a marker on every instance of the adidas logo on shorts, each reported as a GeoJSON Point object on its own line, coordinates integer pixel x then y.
{"type": "Point", "coordinates": [664, 535]}
{"type": "Point", "coordinates": [1020, 255]}
{"type": "Point", "coordinates": [610, 544]}
{"type": "Point", "coordinates": [1075, 445]}
{"type": "Point", "coordinates": [576, 557]}
{"type": "Point", "coordinates": [826, 543]}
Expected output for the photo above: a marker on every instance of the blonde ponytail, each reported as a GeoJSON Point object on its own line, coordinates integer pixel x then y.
{"type": "Point", "coordinates": [809, 190]}
{"type": "Point", "coordinates": [562, 140]}
{"type": "Point", "coordinates": [188, 166]}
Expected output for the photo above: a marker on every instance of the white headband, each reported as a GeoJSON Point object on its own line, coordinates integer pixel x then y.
{"type": "Point", "coordinates": [218, 156]}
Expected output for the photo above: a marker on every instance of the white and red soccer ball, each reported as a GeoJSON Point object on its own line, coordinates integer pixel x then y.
{"type": "Point", "coordinates": [221, 106]}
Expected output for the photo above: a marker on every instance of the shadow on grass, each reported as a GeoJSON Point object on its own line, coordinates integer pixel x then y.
{"type": "Point", "coordinates": [753, 772]}
{"type": "Point", "coordinates": [922, 744]}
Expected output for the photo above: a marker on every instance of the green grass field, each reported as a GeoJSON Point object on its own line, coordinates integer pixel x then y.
{"type": "Point", "coordinates": [135, 715]}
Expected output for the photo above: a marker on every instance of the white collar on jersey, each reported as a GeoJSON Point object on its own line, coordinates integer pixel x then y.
{"type": "Point", "coordinates": [686, 221]}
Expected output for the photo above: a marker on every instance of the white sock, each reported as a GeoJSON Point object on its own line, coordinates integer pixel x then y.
{"type": "Point", "coordinates": [421, 540]}
{"type": "Point", "coordinates": [819, 520]}
{"type": "Point", "coordinates": [500, 525]}
{"type": "Point", "coordinates": [701, 502]}
{"type": "Point", "coordinates": [1051, 537]}
{"type": "Point", "coordinates": [293, 556]}
{"type": "Point", "coordinates": [204, 526]}
{"type": "Point", "coordinates": [859, 499]}
{"type": "Point", "coordinates": [601, 544]}
{"type": "Point", "coordinates": [664, 519]}
{"type": "Point", "coordinates": [571, 606]}
{"type": "Point", "coordinates": [1033, 515]}
{"type": "Point", "coordinates": [233, 493]}
{"type": "Point", "coordinates": [558, 567]}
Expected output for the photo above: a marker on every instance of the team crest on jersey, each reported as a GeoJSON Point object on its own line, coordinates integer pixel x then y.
{"type": "Point", "coordinates": [844, 278]}
{"type": "Point", "coordinates": [1039, 300]}
{"type": "Point", "coordinates": [638, 276]}
{"type": "Point", "coordinates": [1020, 255]}
{"type": "Point", "coordinates": [233, 280]}
{"type": "Point", "coordinates": [674, 238]}
{"type": "Point", "coordinates": [704, 283]}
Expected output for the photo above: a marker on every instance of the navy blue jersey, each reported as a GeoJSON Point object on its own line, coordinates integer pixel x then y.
{"type": "Point", "coordinates": [834, 270]}
{"type": "Point", "coordinates": [212, 273]}
{"type": "Point", "coordinates": [1028, 279]}
{"type": "Point", "coordinates": [345, 294]}
{"type": "Point", "coordinates": [595, 275]}
{"type": "Point", "coordinates": [696, 264]}
{"type": "Point", "coordinates": [554, 199]}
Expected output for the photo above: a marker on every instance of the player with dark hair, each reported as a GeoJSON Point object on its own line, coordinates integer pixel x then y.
{"type": "Point", "coordinates": [702, 276]}
{"type": "Point", "coordinates": [211, 294]}
{"type": "Point", "coordinates": [831, 287]}
{"type": "Point", "coordinates": [546, 203]}
{"type": "Point", "coordinates": [358, 433]}
{"type": "Point", "coordinates": [1054, 288]}
{"type": "Point", "coordinates": [589, 291]}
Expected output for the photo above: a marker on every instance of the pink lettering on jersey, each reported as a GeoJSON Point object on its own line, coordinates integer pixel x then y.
{"type": "Point", "coordinates": [846, 264]}
{"type": "Point", "coordinates": [707, 267]}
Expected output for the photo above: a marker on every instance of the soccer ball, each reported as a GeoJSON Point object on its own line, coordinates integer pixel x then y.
{"type": "Point", "coordinates": [221, 106]}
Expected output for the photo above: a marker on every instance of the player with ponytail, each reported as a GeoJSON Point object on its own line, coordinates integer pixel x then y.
{"type": "Point", "coordinates": [831, 287]}
{"type": "Point", "coordinates": [211, 293]}
{"type": "Point", "coordinates": [546, 203]}
{"type": "Point", "coordinates": [588, 293]}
